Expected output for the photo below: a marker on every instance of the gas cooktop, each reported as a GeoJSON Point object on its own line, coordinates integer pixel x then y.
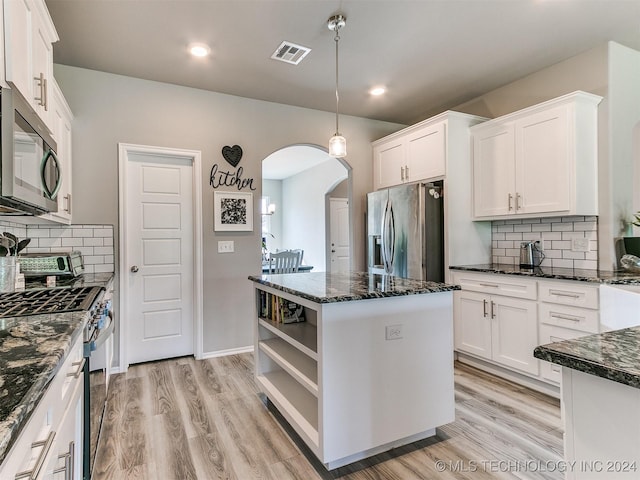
{"type": "Point", "coordinates": [53, 300]}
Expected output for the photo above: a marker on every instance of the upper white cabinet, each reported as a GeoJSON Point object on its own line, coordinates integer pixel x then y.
{"type": "Point", "coordinates": [29, 35]}
{"type": "Point", "coordinates": [61, 130]}
{"type": "Point", "coordinates": [413, 154]}
{"type": "Point", "coordinates": [538, 161]}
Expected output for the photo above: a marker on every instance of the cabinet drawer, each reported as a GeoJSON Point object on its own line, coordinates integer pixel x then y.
{"type": "Point", "coordinates": [569, 293]}
{"type": "Point", "coordinates": [550, 334]}
{"type": "Point", "coordinates": [508, 285]}
{"type": "Point", "coordinates": [581, 319]}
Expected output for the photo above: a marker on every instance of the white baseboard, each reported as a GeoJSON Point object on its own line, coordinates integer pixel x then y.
{"type": "Point", "coordinates": [230, 351]}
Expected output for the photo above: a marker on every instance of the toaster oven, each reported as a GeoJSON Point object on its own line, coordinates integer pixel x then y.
{"type": "Point", "coordinates": [44, 264]}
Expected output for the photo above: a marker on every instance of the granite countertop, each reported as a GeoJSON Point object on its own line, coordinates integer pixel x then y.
{"type": "Point", "coordinates": [323, 287]}
{"type": "Point", "coordinates": [611, 355]}
{"type": "Point", "coordinates": [32, 349]}
{"type": "Point", "coordinates": [582, 275]}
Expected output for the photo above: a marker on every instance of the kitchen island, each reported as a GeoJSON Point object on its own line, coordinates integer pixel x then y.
{"type": "Point", "coordinates": [601, 403]}
{"type": "Point", "coordinates": [369, 368]}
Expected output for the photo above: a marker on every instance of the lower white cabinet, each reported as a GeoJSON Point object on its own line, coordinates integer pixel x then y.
{"type": "Point", "coordinates": [497, 328]}
{"type": "Point", "coordinates": [500, 319]}
{"type": "Point", "coordinates": [50, 445]}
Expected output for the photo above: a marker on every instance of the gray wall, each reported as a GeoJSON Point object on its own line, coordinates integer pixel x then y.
{"type": "Point", "coordinates": [109, 109]}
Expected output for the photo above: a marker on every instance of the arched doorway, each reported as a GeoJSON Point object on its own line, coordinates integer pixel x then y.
{"type": "Point", "coordinates": [295, 182]}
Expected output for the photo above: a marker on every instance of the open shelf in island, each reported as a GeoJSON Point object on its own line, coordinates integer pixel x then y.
{"type": "Point", "coordinates": [302, 335]}
{"type": "Point", "coordinates": [300, 366]}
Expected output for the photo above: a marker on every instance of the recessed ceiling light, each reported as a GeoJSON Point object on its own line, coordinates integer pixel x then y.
{"type": "Point", "coordinates": [199, 50]}
{"type": "Point", "coordinates": [377, 91]}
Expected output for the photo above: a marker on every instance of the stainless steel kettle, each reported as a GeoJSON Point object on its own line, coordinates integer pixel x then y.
{"type": "Point", "coordinates": [530, 254]}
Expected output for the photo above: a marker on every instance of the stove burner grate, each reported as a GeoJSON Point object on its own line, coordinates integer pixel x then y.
{"type": "Point", "coordinates": [54, 300]}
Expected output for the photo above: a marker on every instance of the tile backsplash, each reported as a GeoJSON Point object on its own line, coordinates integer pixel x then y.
{"type": "Point", "coordinates": [556, 236]}
{"type": "Point", "coordinates": [94, 242]}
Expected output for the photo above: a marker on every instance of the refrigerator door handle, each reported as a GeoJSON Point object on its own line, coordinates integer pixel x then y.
{"type": "Point", "coordinates": [388, 237]}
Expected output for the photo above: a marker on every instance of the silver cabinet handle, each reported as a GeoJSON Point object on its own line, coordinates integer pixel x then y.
{"type": "Point", "coordinates": [492, 285]}
{"type": "Point", "coordinates": [46, 446]}
{"type": "Point", "coordinates": [67, 198]}
{"type": "Point", "coordinates": [509, 200]}
{"type": "Point", "coordinates": [78, 371]}
{"type": "Point", "coordinates": [484, 308]}
{"type": "Point", "coordinates": [406, 172]}
{"type": "Point", "coordinates": [134, 269]}
{"type": "Point", "coordinates": [565, 317]}
{"type": "Point", "coordinates": [517, 201]}
{"type": "Point", "coordinates": [493, 314]}
{"type": "Point", "coordinates": [69, 461]}
{"type": "Point", "coordinates": [563, 294]}
{"type": "Point", "coordinates": [41, 83]}
{"type": "Point", "coordinates": [401, 173]}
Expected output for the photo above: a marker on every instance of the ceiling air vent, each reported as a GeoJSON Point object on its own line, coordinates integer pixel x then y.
{"type": "Point", "coordinates": [290, 53]}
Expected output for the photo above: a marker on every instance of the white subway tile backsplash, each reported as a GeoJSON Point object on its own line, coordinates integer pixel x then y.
{"type": "Point", "coordinates": [556, 235]}
{"type": "Point", "coordinates": [95, 242]}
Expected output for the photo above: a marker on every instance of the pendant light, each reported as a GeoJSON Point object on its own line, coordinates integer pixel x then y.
{"type": "Point", "coordinates": [337, 143]}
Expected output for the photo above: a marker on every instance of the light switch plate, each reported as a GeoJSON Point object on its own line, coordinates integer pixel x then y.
{"type": "Point", "coordinates": [579, 244]}
{"type": "Point", "coordinates": [226, 246]}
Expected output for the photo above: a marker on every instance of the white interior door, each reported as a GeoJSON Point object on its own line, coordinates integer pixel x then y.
{"type": "Point", "coordinates": [159, 243]}
{"type": "Point", "coordinates": [339, 235]}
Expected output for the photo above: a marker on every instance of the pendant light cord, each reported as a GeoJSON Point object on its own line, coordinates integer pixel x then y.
{"type": "Point", "coordinates": [337, 39]}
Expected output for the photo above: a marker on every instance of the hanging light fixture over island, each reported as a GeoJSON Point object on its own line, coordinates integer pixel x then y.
{"type": "Point", "coordinates": [337, 143]}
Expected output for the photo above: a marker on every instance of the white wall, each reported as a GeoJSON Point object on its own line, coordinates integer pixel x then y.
{"type": "Point", "coordinates": [304, 226]}
{"type": "Point", "coordinates": [273, 189]}
{"type": "Point", "coordinates": [111, 108]}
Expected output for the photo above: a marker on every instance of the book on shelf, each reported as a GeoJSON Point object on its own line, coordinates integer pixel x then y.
{"type": "Point", "coordinates": [278, 309]}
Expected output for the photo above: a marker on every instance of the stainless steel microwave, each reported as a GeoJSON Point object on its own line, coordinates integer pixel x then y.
{"type": "Point", "coordinates": [30, 174]}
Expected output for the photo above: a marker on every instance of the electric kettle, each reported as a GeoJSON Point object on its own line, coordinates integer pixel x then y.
{"type": "Point", "coordinates": [530, 254]}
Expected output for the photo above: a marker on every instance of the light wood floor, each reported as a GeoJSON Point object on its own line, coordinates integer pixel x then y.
{"type": "Point", "coordinates": [185, 419]}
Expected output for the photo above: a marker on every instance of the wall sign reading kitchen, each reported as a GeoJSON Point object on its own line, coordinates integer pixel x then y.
{"type": "Point", "coordinates": [229, 178]}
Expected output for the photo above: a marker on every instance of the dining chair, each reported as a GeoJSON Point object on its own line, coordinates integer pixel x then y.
{"type": "Point", "coordinates": [284, 262]}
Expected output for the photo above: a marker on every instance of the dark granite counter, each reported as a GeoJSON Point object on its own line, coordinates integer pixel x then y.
{"type": "Point", "coordinates": [611, 355]}
{"type": "Point", "coordinates": [32, 349]}
{"type": "Point", "coordinates": [594, 276]}
{"type": "Point", "coordinates": [323, 287]}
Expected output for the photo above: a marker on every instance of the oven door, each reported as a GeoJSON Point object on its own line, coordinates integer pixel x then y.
{"type": "Point", "coordinates": [31, 175]}
{"type": "Point", "coordinates": [96, 379]}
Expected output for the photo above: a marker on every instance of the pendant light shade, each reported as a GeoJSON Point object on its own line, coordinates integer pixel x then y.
{"type": "Point", "coordinates": [337, 143]}
{"type": "Point", "coordinates": [338, 146]}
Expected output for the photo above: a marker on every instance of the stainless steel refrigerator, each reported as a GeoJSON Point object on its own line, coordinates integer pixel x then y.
{"type": "Point", "coordinates": [405, 233]}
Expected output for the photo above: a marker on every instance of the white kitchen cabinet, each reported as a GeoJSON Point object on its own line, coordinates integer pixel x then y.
{"type": "Point", "coordinates": [567, 310]}
{"type": "Point", "coordinates": [29, 35]}
{"type": "Point", "coordinates": [413, 154]}
{"type": "Point", "coordinates": [538, 161]}
{"type": "Point", "coordinates": [498, 328]}
{"type": "Point", "coordinates": [62, 118]}
{"type": "Point", "coordinates": [53, 425]}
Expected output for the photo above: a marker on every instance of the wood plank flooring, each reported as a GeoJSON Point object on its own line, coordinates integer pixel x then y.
{"type": "Point", "coordinates": [183, 419]}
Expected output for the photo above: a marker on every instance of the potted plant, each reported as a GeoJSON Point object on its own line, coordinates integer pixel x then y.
{"type": "Point", "coordinates": [632, 244]}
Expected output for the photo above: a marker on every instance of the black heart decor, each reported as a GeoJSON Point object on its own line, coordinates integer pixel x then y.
{"type": "Point", "coordinates": [233, 155]}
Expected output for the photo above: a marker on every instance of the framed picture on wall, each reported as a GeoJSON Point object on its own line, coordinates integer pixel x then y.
{"type": "Point", "coordinates": [233, 211]}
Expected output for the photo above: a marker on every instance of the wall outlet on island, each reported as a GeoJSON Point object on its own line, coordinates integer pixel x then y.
{"type": "Point", "coordinates": [225, 246]}
{"type": "Point", "coordinates": [393, 332]}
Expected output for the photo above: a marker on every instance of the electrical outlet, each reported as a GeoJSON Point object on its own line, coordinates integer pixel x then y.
{"type": "Point", "coordinates": [579, 244]}
{"type": "Point", "coordinates": [393, 332]}
{"type": "Point", "coordinates": [225, 246]}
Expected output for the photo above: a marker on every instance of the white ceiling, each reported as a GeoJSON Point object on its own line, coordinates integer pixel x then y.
{"type": "Point", "coordinates": [431, 54]}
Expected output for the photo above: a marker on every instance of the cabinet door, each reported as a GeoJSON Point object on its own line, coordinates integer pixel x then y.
{"type": "Point", "coordinates": [472, 323]}
{"type": "Point", "coordinates": [18, 18]}
{"type": "Point", "coordinates": [549, 334]}
{"type": "Point", "coordinates": [42, 71]}
{"type": "Point", "coordinates": [426, 153]}
{"type": "Point", "coordinates": [543, 165]}
{"type": "Point", "coordinates": [389, 163]}
{"type": "Point", "coordinates": [514, 333]}
{"type": "Point", "coordinates": [493, 171]}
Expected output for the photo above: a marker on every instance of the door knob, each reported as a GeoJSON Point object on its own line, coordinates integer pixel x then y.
{"type": "Point", "coordinates": [333, 251]}
{"type": "Point", "coordinates": [134, 269]}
